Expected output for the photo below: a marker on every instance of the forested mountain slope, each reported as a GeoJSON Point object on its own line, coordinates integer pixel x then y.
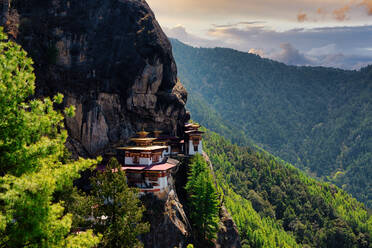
{"type": "Point", "coordinates": [266, 196]}
{"type": "Point", "coordinates": [319, 119]}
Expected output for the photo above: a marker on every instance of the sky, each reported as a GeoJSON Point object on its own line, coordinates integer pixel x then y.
{"type": "Point", "coordinates": [332, 33]}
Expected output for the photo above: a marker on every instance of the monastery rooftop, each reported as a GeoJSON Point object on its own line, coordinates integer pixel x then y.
{"type": "Point", "coordinates": [142, 148]}
{"type": "Point", "coordinates": [157, 167]}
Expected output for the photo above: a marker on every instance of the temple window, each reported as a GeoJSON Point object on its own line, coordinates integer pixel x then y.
{"type": "Point", "coordinates": [195, 148]}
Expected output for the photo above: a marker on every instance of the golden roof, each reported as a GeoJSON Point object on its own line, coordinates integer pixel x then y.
{"type": "Point", "coordinates": [192, 125]}
{"type": "Point", "coordinates": [142, 139]}
{"type": "Point", "coordinates": [143, 148]}
{"type": "Point", "coordinates": [157, 133]}
{"type": "Point", "coordinates": [143, 134]}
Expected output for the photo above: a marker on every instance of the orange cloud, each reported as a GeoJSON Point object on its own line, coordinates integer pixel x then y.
{"type": "Point", "coordinates": [258, 52]}
{"type": "Point", "coordinates": [321, 11]}
{"type": "Point", "coordinates": [368, 5]}
{"type": "Point", "coordinates": [301, 17]}
{"type": "Point", "coordinates": [341, 13]}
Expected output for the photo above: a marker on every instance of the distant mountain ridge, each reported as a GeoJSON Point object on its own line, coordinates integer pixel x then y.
{"type": "Point", "coordinates": [319, 119]}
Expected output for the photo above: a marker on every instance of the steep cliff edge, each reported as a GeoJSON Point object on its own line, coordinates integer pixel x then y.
{"type": "Point", "coordinates": [109, 58]}
{"type": "Point", "coordinates": [169, 224]}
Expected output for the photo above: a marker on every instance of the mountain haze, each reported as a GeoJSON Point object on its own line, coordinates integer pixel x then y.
{"type": "Point", "coordinates": [319, 119]}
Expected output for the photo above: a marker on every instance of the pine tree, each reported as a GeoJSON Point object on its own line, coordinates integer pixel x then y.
{"type": "Point", "coordinates": [204, 202]}
{"type": "Point", "coordinates": [118, 207]}
{"type": "Point", "coordinates": [32, 171]}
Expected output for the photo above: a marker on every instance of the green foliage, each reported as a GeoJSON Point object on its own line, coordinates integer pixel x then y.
{"type": "Point", "coordinates": [256, 231]}
{"type": "Point", "coordinates": [204, 202]}
{"type": "Point", "coordinates": [32, 170]}
{"type": "Point", "coordinates": [317, 214]}
{"type": "Point", "coordinates": [118, 207]}
{"type": "Point", "coordinates": [79, 204]}
{"type": "Point", "coordinates": [318, 119]}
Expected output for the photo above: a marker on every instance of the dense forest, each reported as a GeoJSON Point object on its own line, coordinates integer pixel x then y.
{"type": "Point", "coordinates": [319, 119]}
{"type": "Point", "coordinates": [276, 205]}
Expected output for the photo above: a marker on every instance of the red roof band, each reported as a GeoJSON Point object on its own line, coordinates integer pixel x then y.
{"type": "Point", "coordinates": [156, 167]}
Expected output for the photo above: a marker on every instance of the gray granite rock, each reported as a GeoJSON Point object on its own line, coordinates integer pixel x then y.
{"type": "Point", "coordinates": [109, 58]}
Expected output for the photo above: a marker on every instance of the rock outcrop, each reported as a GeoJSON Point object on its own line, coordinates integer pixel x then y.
{"type": "Point", "coordinates": [109, 58]}
{"type": "Point", "coordinates": [169, 223]}
{"type": "Point", "coordinates": [228, 235]}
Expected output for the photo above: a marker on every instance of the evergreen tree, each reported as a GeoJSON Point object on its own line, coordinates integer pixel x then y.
{"type": "Point", "coordinates": [204, 202]}
{"type": "Point", "coordinates": [32, 170]}
{"type": "Point", "coordinates": [118, 207]}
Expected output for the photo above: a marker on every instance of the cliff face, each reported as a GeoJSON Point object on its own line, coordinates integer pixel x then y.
{"type": "Point", "coordinates": [169, 224]}
{"type": "Point", "coordinates": [109, 58]}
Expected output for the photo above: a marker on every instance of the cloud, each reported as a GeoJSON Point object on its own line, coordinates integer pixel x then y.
{"type": "Point", "coordinates": [291, 56]}
{"type": "Point", "coordinates": [342, 47]}
{"type": "Point", "coordinates": [198, 15]}
{"type": "Point", "coordinates": [335, 46]}
{"type": "Point", "coordinates": [346, 38]}
{"type": "Point", "coordinates": [257, 51]}
{"type": "Point", "coordinates": [179, 32]}
{"type": "Point", "coordinates": [245, 23]}
{"type": "Point", "coordinates": [368, 5]}
{"type": "Point", "coordinates": [341, 13]}
{"type": "Point", "coordinates": [324, 50]}
{"type": "Point", "coordinates": [343, 61]}
{"type": "Point", "coordinates": [251, 22]}
{"type": "Point", "coordinates": [321, 11]}
{"type": "Point", "coordinates": [301, 17]}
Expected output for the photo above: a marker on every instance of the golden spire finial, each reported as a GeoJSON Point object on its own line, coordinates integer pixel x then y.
{"type": "Point", "coordinates": [143, 133]}
{"type": "Point", "coordinates": [157, 133]}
